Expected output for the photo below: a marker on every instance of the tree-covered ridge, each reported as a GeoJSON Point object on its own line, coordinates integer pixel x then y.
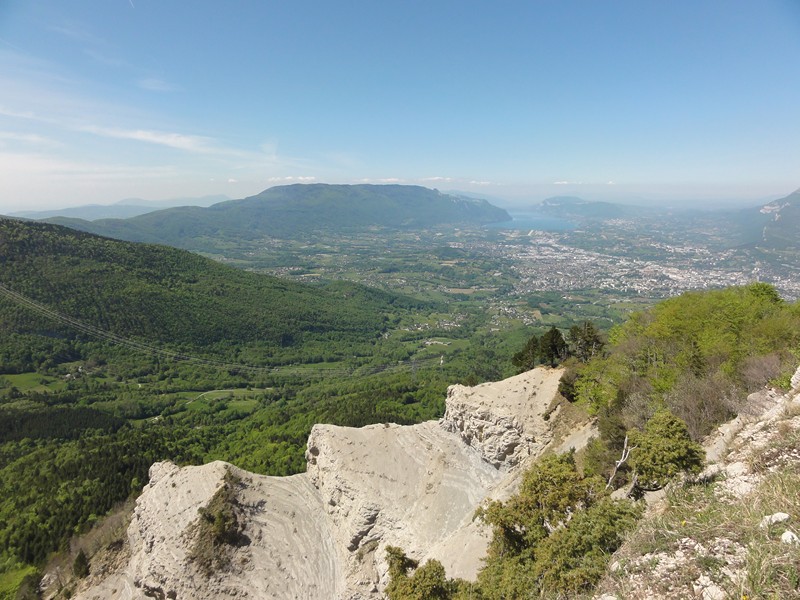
{"type": "Point", "coordinates": [161, 293]}
{"type": "Point", "coordinates": [298, 210]}
{"type": "Point", "coordinates": [741, 336]}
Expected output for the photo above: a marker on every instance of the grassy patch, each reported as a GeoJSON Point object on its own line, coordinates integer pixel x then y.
{"type": "Point", "coordinates": [782, 453]}
{"type": "Point", "coordinates": [34, 382]}
{"type": "Point", "coordinates": [238, 399]}
{"type": "Point", "coordinates": [12, 580]}
{"type": "Point", "coordinates": [720, 539]}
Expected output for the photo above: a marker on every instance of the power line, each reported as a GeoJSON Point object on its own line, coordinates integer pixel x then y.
{"type": "Point", "coordinates": [140, 346]}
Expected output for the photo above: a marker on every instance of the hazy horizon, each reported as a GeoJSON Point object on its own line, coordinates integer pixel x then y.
{"type": "Point", "coordinates": [520, 204]}
{"type": "Point", "coordinates": [655, 103]}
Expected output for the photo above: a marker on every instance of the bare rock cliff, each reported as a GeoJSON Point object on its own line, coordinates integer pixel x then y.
{"type": "Point", "coordinates": [505, 425]}
{"type": "Point", "coordinates": [322, 534]}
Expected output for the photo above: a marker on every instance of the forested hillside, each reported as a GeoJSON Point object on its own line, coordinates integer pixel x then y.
{"type": "Point", "coordinates": [160, 293]}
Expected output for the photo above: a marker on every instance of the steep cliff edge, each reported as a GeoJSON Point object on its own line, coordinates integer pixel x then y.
{"type": "Point", "coordinates": [322, 534]}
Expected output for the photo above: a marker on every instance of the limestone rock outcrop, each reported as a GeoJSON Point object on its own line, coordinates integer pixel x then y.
{"type": "Point", "coordinates": [506, 426]}
{"type": "Point", "coordinates": [322, 534]}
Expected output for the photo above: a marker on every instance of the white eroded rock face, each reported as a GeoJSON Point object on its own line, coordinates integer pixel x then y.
{"type": "Point", "coordinates": [323, 534]}
{"type": "Point", "coordinates": [283, 524]}
{"type": "Point", "coordinates": [505, 425]}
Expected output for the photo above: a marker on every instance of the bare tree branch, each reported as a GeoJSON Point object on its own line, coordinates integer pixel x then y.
{"type": "Point", "coordinates": [626, 452]}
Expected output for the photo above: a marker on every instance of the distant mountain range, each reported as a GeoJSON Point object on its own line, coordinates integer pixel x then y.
{"type": "Point", "coordinates": [571, 207]}
{"type": "Point", "coordinates": [772, 226]}
{"type": "Point", "coordinates": [124, 209]}
{"type": "Point", "coordinates": [296, 211]}
{"type": "Point", "coordinates": [781, 228]}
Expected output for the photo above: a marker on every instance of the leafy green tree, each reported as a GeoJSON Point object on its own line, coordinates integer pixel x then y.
{"type": "Point", "coordinates": [662, 451]}
{"type": "Point", "coordinates": [428, 582]}
{"type": "Point", "coordinates": [555, 536]}
{"type": "Point", "coordinates": [566, 385]}
{"type": "Point", "coordinates": [399, 563]}
{"type": "Point", "coordinates": [550, 492]}
{"type": "Point", "coordinates": [574, 558]}
{"type": "Point", "coordinates": [765, 292]}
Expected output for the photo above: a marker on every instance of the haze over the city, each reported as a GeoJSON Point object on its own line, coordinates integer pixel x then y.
{"type": "Point", "coordinates": [629, 101]}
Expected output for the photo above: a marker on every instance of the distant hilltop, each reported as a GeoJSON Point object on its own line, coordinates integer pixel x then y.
{"type": "Point", "coordinates": [296, 211]}
{"type": "Point", "coordinates": [573, 207]}
{"type": "Point", "coordinates": [783, 223]}
{"type": "Point", "coordinates": [124, 209]}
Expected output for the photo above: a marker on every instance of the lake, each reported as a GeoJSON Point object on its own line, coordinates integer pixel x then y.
{"type": "Point", "coordinates": [530, 220]}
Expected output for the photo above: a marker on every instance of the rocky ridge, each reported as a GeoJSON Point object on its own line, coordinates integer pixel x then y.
{"type": "Point", "coordinates": [322, 534]}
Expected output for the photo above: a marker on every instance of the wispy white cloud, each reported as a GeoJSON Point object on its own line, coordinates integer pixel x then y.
{"type": "Point", "coordinates": [76, 31]}
{"type": "Point", "coordinates": [14, 164]}
{"type": "Point", "coordinates": [10, 45]}
{"type": "Point", "coordinates": [564, 182]}
{"type": "Point", "coordinates": [445, 179]}
{"type": "Point", "coordinates": [300, 178]}
{"type": "Point", "coordinates": [381, 180]}
{"type": "Point", "coordinates": [474, 182]}
{"type": "Point", "coordinates": [155, 84]}
{"type": "Point", "coordinates": [28, 138]}
{"type": "Point", "coordinates": [103, 58]}
{"type": "Point", "coordinates": [190, 143]}
{"type": "Point", "coordinates": [181, 141]}
{"type": "Point", "coordinates": [17, 114]}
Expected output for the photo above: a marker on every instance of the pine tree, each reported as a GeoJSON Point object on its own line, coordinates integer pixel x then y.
{"type": "Point", "coordinates": [552, 347]}
{"type": "Point", "coordinates": [525, 359]}
{"type": "Point", "coordinates": [585, 341]}
{"type": "Point", "coordinates": [80, 566]}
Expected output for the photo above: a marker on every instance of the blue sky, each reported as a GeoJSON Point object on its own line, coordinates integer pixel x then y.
{"type": "Point", "coordinates": [631, 100]}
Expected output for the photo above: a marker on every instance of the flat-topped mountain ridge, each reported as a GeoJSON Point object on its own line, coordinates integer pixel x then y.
{"type": "Point", "coordinates": [295, 211]}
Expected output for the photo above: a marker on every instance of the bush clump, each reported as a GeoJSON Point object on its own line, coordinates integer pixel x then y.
{"type": "Point", "coordinates": [219, 528]}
